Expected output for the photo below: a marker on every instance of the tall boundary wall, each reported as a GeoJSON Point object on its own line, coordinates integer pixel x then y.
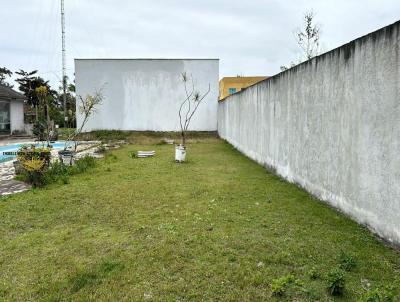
{"type": "Point", "coordinates": [331, 125]}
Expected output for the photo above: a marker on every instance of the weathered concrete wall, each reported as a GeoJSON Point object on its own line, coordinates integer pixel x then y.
{"type": "Point", "coordinates": [145, 94]}
{"type": "Point", "coordinates": [332, 125]}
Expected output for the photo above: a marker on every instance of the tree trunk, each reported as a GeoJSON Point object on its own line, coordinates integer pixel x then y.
{"type": "Point", "coordinates": [183, 138]}
{"type": "Point", "coordinates": [47, 114]}
{"type": "Point", "coordinates": [36, 113]}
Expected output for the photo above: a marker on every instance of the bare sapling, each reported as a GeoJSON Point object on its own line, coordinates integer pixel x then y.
{"type": "Point", "coordinates": [190, 104]}
{"type": "Point", "coordinates": [88, 105]}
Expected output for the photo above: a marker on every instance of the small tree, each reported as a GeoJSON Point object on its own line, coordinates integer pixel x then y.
{"type": "Point", "coordinates": [4, 74]}
{"type": "Point", "coordinates": [28, 82]}
{"type": "Point", "coordinates": [88, 106]}
{"type": "Point", "coordinates": [190, 104]}
{"type": "Point", "coordinates": [307, 38]}
{"type": "Point", "coordinates": [42, 95]}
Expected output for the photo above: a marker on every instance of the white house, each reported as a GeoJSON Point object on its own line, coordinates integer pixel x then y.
{"type": "Point", "coordinates": [11, 111]}
{"type": "Point", "coordinates": [145, 94]}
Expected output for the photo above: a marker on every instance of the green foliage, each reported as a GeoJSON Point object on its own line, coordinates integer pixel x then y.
{"type": "Point", "coordinates": [28, 82]}
{"type": "Point", "coordinates": [347, 262]}
{"type": "Point", "coordinates": [132, 154]}
{"type": "Point", "coordinates": [383, 294]}
{"type": "Point", "coordinates": [34, 162]}
{"type": "Point", "coordinates": [81, 280]}
{"type": "Point", "coordinates": [60, 172]}
{"type": "Point", "coordinates": [279, 285]}
{"type": "Point", "coordinates": [110, 266]}
{"type": "Point", "coordinates": [110, 158]}
{"type": "Point", "coordinates": [82, 165]}
{"type": "Point", "coordinates": [39, 129]}
{"type": "Point", "coordinates": [57, 171]}
{"type": "Point", "coordinates": [313, 273]}
{"type": "Point", "coordinates": [336, 282]}
{"type": "Point", "coordinates": [4, 74]}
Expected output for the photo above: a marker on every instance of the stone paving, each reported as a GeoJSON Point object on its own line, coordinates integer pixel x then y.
{"type": "Point", "coordinates": [8, 185]}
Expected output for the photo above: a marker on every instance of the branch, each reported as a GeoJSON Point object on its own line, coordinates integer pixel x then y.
{"type": "Point", "coordinates": [188, 96]}
{"type": "Point", "coordinates": [195, 109]}
{"type": "Point", "coordinates": [187, 112]}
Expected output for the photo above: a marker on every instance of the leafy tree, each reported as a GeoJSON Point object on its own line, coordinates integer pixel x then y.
{"type": "Point", "coordinates": [28, 82]}
{"type": "Point", "coordinates": [4, 74]}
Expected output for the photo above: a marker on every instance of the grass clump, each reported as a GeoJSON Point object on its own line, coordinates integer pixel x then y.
{"type": "Point", "coordinates": [313, 273]}
{"type": "Point", "coordinates": [347, 262]}
{"type": "Point", "coordinates": [336, 282]}
{"type": "Point", "coordinates": [280, 285]}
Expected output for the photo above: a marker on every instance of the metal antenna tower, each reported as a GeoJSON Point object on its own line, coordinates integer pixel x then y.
{"type": "Point", "coordinates": [64, 76]}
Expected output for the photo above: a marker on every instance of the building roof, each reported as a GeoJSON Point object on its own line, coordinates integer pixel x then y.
{"type": "Point", "coordinates": [244, 78]}
{"type": "Point", "coordinates": [9, 93]}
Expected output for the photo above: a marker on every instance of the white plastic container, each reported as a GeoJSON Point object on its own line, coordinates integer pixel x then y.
{"type": "Point", "coordinates": [180, 153]}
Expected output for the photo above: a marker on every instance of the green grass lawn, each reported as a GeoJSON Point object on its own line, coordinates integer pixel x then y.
{"type": "Point", "coordinates": [218, 228]}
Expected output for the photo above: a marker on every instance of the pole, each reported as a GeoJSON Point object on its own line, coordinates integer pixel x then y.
{"type": "Point", "coordinates": [64, 76]}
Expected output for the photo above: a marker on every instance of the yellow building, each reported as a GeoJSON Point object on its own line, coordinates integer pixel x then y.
{"type": "Point", "coordinates": [231, 85]}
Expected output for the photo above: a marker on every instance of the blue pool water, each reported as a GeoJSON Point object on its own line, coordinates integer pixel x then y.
{"type": "Point", "coordinates": [14, 147]}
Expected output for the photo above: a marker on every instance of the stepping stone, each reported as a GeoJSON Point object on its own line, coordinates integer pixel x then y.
{"type": "Point", "coordinates": [142, 154]}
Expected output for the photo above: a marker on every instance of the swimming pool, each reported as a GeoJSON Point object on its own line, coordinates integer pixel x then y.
{"type": "Point", "coordinates": [14, 147]}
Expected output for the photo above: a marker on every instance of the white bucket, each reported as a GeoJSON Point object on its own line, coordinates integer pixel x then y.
{"type": "Point", "coordinates": [180, 153]}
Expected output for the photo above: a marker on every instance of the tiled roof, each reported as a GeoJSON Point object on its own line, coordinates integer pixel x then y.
{"type": "Point", "coordinates": [9, 93]}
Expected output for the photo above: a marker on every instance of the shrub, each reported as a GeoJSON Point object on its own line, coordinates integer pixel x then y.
{"type": "Point", "coordinates": [83, 164]}
{"type": "Point", "coordinates": [34, 162]}
{"type": "Point", "coordinates": [336, 282]}
{"type": "Point", "coordinates": [279, 285]}
{"type": "Point", "coordinates": [347, 262]}
{"type": "Point", "coordinates": [57, 171]}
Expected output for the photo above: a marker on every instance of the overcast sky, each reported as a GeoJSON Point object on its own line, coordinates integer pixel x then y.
{"type": "Point", "coordinates": [252, 37]}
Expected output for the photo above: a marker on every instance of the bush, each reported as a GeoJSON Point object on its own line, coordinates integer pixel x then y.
{"type": "Point", "coordinates": [336, 282]}
{"type": "Point", "coordinates": [279, 285]}
{"type": "Point", "coordinates": [57, 171]}
{"type": "Point", "coordinates": [82, 165]}
{"type": "Point", "coordinates": [34, 162]}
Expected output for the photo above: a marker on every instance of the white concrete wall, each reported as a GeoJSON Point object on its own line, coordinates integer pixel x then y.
{"type": "Point", "coordinates": [331, 125]}
{"type": "Point", "coordinates": [17, 115]}
{"type": "Point", "coordinates": [145, 94]}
